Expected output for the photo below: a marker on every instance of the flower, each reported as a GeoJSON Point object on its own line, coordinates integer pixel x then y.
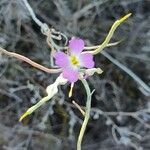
{"type": "Point", "coordinates": [74, 60]}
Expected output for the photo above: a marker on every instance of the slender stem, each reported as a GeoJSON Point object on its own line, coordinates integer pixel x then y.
{"type": "Point", "coordinates": [97, 46]}
{"type": "Point", "coordinates": [44, 27]}
{"type": "Point", "coordinates": [87, 114]}
{"type": "Point", "coordinates": [110, 34]}
{"type": "Point", "coordinates": [145, 87]}
{"type": "Point", "coordinates": [29, 61]}
{"type": "Point", "coordinates": [34, 107]}
{"type": "Point", "coordinates": [79, 108]}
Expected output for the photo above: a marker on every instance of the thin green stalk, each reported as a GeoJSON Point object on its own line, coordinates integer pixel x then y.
{"type": "Point", "coordinates": [110, 34]}
{"type": "Point", "coordinates": [87, 114]}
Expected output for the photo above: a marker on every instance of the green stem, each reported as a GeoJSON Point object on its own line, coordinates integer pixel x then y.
{"type": "Point", "coordinates": [110, 34]}
{"type": "Point", "coordinates": [87, 114]}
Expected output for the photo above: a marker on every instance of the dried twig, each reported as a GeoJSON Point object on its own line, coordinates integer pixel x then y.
{"type": "Point", "coordinates": [29, 61]}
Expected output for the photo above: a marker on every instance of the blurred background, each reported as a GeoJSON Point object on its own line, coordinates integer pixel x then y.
{"type": "Point", "coordinates": [120, 118]}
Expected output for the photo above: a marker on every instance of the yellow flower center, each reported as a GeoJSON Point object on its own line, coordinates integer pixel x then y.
{"type": "Point", "coordinates": [74, 60]}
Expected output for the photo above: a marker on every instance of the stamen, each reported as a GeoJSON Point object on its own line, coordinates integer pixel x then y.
{"type": "Point", "coordinates": [74, 60]}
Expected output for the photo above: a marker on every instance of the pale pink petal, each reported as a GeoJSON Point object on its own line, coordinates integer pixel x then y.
{"type": "Point", "coordinates": [61, 59]}
{"type": "Point", "coordinates": [76, 46]}
{"type": "Point", "coordinates": [87, 60]}
{"type": "Point", "coordinates": [70, 74]}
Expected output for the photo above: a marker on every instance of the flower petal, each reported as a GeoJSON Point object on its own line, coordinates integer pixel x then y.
{"type": "Point", "coordinates": [61, 59]}
{"type": "Point", "coordinates": [76, 45]}
{"type": "Point", "coordinates": [87, 60]}
{"type": "Point", "coordinates": [70, 74]}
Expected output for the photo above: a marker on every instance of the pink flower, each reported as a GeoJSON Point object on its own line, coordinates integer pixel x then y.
{"type": "Point", "coordinates": [72, 63]}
